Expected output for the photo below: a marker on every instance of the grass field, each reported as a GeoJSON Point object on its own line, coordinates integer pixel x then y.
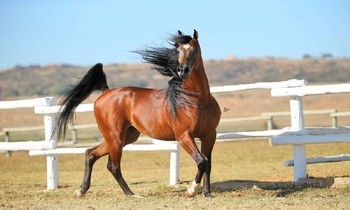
{"type": "Point", "coordinates": [245, 175]}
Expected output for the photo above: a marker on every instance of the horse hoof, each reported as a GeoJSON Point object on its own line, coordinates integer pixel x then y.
{"type": "Point", "coordinates": [193, 189]}
{"type": "Point", "coordinates": [208, 195]}
{"type": "Point", "coordinates": [137, 196]}
{"type": "Point", "coordinates": [78, 193]}
{"type": "Point", "coordinates": [189, 193]}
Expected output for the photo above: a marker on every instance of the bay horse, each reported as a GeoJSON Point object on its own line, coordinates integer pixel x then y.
{"type": "Point", "coordinates": [183, 111]}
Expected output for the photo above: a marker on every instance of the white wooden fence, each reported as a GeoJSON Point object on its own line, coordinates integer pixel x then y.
{"type": "Point", "coordinates": [48, 147]}
{"type": "Point", "coordinates": [298, 136]}
{"type": "Point", "coordinates": [46, 106]}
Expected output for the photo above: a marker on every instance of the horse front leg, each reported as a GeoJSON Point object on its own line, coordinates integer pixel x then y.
{"type": "Point", "coordinates": [206, 192]}
{"type": "Point", "coordinates": [207, 145]}
{"type": "Point", "coordinates": [91, 156]}
{"type": "Point", "coordinates": [187, 142]}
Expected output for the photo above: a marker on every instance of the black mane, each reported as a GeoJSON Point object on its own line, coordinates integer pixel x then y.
{"type": "Point", "coordinates": [165, 61]}
{"type": "Point", "coordinates": [181, 39]}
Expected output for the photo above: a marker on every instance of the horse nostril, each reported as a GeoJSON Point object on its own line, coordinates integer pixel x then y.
{"type": "Point", "coordinates": [186, 69]}
{"type": "Point", "coordinates": [183, 70]}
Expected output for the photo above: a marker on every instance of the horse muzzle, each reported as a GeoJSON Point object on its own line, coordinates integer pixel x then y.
{"type": "Point", "coordinates": [183, 71]}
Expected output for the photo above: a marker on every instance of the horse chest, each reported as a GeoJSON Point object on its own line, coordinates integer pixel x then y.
{"type": "Point", "coordinates": [197, 122]}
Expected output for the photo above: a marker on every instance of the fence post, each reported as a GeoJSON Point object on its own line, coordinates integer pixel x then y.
{"type": "Point", "coordinates": [270, 123]}
{"type": "Point", "coordinates": [269, 126]}
{"type": "Point", "coordinates": [51, 140]}
{"type": "Point", "coordinates": [174, 165]}
{"type": "Point", "coordinates": [334, 119]}
{"type": "Point", "coordinates": [74, 135]}
{"type": "Point", "coordinates": [297, 124]}
{"type": "Point", "coordinates": [7, 139]}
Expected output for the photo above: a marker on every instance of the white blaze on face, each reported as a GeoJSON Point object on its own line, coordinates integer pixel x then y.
{"type": "Point", "coordinates": [184, 51]}
{"type": "Point", "coordinates": [186, 46]}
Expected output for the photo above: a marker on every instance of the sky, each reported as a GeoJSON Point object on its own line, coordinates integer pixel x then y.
{"type": "Point", "coordinates": [77, 32]}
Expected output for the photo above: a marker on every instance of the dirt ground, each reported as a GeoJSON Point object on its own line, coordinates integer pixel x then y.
{"type": "Point", "coordinates": [246, 174]}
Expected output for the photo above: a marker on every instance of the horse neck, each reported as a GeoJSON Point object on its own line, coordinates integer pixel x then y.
{"type": "Point", "coordinates": [198, 80]}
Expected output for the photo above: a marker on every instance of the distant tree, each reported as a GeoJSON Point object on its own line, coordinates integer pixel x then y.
{"type": "Point", "coordinates": [19, 67]}
{"type": "Point", "coordinates": [307, 56]}
{"type": "Point", "coordinates": [327, 55]}
{"type": "Point", "coordinates": [57, 90]}
{"type": "Point", "coordinates": [11, 93]}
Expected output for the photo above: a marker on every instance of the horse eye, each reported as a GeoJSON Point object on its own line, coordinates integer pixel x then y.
{"type": "Point", "coordinates": [177, 45]}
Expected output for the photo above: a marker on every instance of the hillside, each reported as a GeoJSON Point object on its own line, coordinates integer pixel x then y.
{"type": "Point", "coordinates": [55, 79]}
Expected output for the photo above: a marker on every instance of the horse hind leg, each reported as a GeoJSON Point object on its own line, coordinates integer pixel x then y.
{"type": "Point", "coordinates": [91, 156]}
{"type": "Point", "coordinates": [132, 134]}
{"type": "Point", "coordinates": [117, 174]}
{"type": "Point", "coordinates": [115, 154]}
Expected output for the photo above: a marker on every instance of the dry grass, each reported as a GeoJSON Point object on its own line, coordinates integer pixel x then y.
{"type": "Point", "coordinates": [245, 175]}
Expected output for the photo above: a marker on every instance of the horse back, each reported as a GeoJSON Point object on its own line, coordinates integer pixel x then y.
{"type": "Point", "coordinates": [143, 108]}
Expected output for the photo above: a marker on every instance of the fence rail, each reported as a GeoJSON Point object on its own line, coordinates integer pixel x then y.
{"type": "Point", "coordinates": [298, 135]}
{"type": "Point", "coordinates": [296, 89]}
{"type": "Point", "coordinates": [267, 116]}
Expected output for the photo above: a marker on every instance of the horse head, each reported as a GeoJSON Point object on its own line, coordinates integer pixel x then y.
{"type": "Point", "coordinates": [188, 48]}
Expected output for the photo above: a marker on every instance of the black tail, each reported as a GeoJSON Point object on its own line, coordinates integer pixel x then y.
{"type": "Point", "coordinates": [95, 79]}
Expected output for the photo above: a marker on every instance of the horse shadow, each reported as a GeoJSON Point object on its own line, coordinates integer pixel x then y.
{"type": "Point", "coordinates": [282, 188]}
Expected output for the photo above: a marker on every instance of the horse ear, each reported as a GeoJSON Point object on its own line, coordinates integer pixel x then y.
{"type": "Point", "coordinates": [179, 33]}
{"type": "Point", "coordinates": [195, 34]}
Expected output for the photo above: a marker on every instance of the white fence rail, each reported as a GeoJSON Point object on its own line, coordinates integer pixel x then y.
{"type": "Point", "coordinates": [265, 116]}
{"type": "Point", "coordinates": [28, 145]}
{"type": "Point", "coordinates": [298, 135]}
{"type": "Point", "coordinates": [47, 107]}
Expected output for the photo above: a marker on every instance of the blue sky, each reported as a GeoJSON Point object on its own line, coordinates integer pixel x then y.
{"type": "Point", "coordinates": [85, 32]}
